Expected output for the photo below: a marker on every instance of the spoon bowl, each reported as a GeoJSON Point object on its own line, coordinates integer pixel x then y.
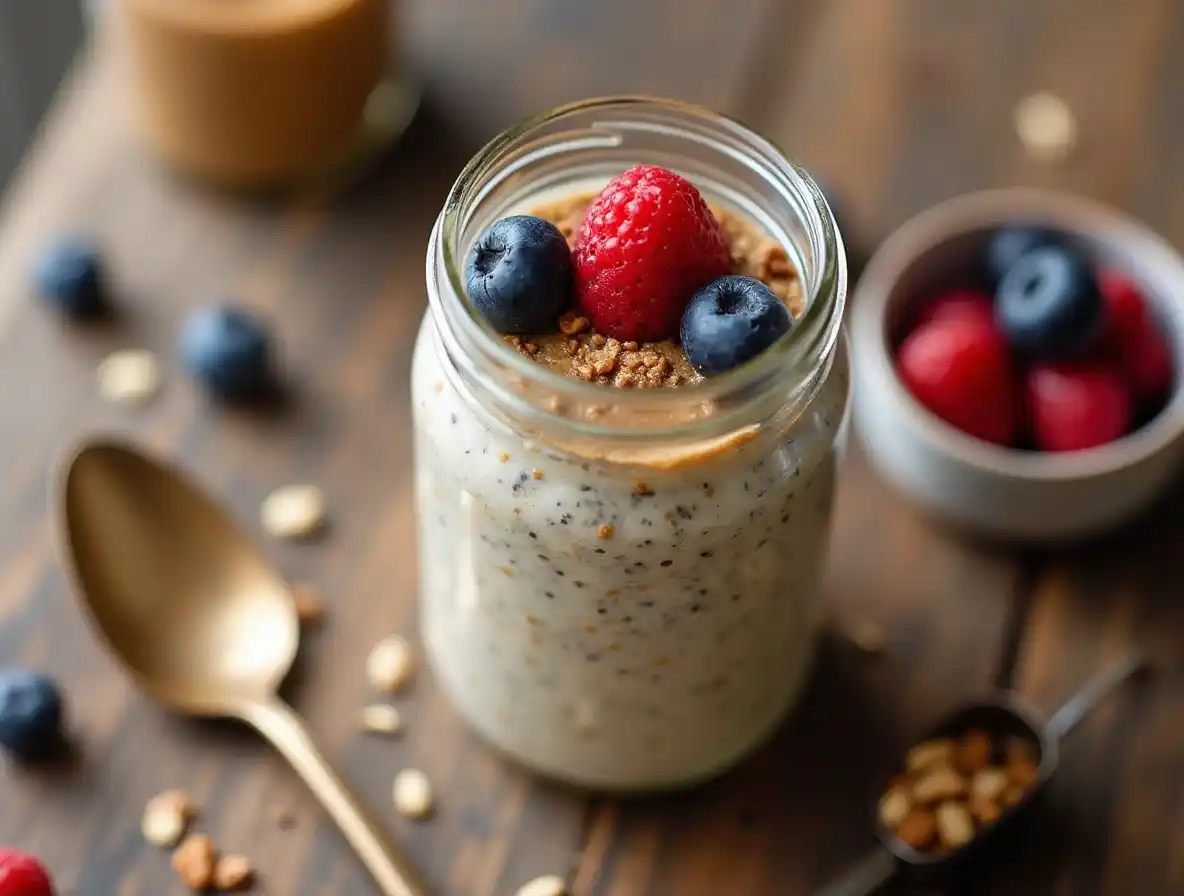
{"type": "Point", "coordinates": [197, 616]}
{"type": "Point", "coordinates": [203, 637]}
{"type": "Point", "coordinates": [1005, 715]}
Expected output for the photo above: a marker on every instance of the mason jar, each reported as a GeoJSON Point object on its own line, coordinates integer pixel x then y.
{"type": "Point", "coordinates": [621, 588]}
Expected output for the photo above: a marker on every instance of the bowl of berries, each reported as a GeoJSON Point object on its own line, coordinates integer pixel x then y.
{"type": "Point", "coordinates": [1017, 364]}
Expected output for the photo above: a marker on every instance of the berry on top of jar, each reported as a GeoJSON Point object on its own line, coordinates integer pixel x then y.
{"type": "Point", "coordinates": [643, 285]}
{"type": "Point", "coordinates": [1041, 348]}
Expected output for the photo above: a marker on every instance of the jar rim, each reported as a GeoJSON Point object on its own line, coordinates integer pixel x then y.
{"type": "Point", "coordinates": [812, 338]}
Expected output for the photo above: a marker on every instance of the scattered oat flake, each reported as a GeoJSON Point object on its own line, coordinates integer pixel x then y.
{"type": "Point", "coordinates": [130, 376]}
{"type": "Point", "coordinates": [1046, 126]}
{"type": "Point", "coordinates": [413, 793]}
{"type": "Point", "coordinates": [166, 816]}
{"type": "Point", "coordinates": [294, 511]}
{"type": "Point", "coordinates": [865, 634]}
{"type": "Point", "coordinates": [390, 665]}
{"type": "Point", "coordinates": [547, 885]}
{"type": "Point", "coordinates": [233, 873]}
{"type": "Point", "coordinates": [379, 718]}
{"type": "Point", "coordinates": [194, 862]}
{"type": "Point", "coordinates": [310, 608]}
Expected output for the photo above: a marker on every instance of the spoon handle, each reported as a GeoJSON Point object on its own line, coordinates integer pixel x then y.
{"type": "Point", "coordinates": [872, 872]}
{"type": "Point", "coordinates": [1093, 692]}
{"type": "Point", "coordinates": [393, 872]}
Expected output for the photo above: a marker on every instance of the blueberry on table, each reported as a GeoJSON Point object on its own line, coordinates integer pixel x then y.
{"type": "Point", "coordinates": [519, 275]}
{"type": "Point", "coordinates": [731, 320]}
{"type": "Point", "coordinates": [1049, 305]}
{"type": "Point", "coordinates": [229, 351]}
{"type": "Point", "coordinates": [68, 273]}
{"type": "Point", "coordinates": [30, 714]}
{"type": "Point", "coordinates": [1008, 244]}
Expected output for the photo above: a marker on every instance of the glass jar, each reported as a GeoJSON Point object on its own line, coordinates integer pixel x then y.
{"type": "Point", "coordinates": [620, 588]}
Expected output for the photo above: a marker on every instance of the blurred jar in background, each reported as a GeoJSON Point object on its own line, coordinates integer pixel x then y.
{"type": "Point", "coordinates": [261, 94]}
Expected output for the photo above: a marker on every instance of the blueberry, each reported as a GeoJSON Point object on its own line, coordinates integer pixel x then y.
{"type": "Point", "coordinates": [1049, 304]}
{"type": "Point", "coordinates": [519, 275]}
{"type": "Point", "coordinates": [731, 320]}
{"type": "Point", "coordinates": [69, 274]}
{"type": "Point", "coordinates": [30, 714]}
{"type": "Point", "coordinates": [227, 350]}
{"type": "Point", "coordinates": [1006, 246]}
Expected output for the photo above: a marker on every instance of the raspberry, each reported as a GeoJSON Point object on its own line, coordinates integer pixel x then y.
{"type": "Point", "coordinates": [959, 368]}
{"type": "Point", "coordinates": [647, 243]}
{"type": "Point", "coordinates": [958, 303]}
{"type": "Point", "coordinates": [23, 875]}
{"type": "Point", "coordinates": [1077, 406]}
{"type": "Point", "coordinates": [1133, 339]}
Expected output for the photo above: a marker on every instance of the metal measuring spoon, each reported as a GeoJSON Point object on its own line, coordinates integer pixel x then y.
{"type": "Point", "coordinates": [1006, 715]}
{"type": "Point", "coordinates": [198, 617]}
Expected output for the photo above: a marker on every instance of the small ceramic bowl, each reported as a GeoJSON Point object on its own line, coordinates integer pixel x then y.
{"type": "Point", "coordinates": [1000, 492]}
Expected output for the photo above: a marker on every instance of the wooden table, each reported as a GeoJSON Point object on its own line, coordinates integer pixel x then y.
{"type": "Point", "coordinates": [898, 103]}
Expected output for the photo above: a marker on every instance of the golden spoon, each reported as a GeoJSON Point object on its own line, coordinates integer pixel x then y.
{"type": "Point", "coordinates": [198, 617]}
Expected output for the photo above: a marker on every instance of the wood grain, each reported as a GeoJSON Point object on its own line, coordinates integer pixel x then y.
{"type": "Point", "coordinates": [899, 103]}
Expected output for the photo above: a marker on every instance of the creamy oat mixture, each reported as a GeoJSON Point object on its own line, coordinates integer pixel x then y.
{"type": "Point", "coordinates": [622, 626]}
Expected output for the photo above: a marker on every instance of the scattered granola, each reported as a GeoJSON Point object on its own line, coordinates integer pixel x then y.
{"type": "Point", "coordinates": [310, 608]}
{"type": "Point", "coordinates": [390, 665]}
{"type": "Point", "coordinates": [166, 816]}
{"type": "Point", "coordinates": [413, 794]}
{"type": "Point", "coordinates": [194, 862]}
{"type": "Point", "coordinates": [130, 376]}
{"type": "Point", "coordinates": [294, 511]}
{"type": "Point", "coordinates": [379, 718]}
{"type": "Point", "coordinates": [952, 787]}
{"type": "Point", "coordinates": [233, 873]}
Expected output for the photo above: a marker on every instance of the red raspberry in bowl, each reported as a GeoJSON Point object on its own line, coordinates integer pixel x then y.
{"type": "Point", "coordinates": [958, 303]}
{"type": "Point", "coordinates": [23, 875]}
{"type": "Point", "coordinates": [959, 368]}
{"type": "Point", "coordinates": [1077, 406]}
{"type": "Point", "coordinates": [1133, 339]}
{"type": "Point", "coordinates": [647, 243]}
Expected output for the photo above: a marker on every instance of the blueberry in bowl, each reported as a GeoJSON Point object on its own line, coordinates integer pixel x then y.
{"type": "Point", "coordinates": [519, 275]}
{"type": "Point", "coordinates": [1049, 304]}
{"type": "Point", "coordinates": [1009, 243]}
{"type": "Point", "coordinates": [731, 320]}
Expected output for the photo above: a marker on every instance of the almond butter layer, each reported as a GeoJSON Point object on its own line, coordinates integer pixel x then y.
{"type": "Point", "coordinates": [578, 351]}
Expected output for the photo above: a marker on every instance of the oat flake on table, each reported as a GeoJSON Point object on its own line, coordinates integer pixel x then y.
{"type": "Point", "coordinates": [129, 376]}
{"type": "Point", "coordinates": [379, 718]}
{"type": "Point", "coordinates": [547, 885]}
{"type": "Point", "coordinates": [390, 665]}
{"type": "Point", "coordinates": [1046, 126]}
{"type": "Point", "coordinates": [294, 511]}
{"type": "Point", "coordinates": [413, 793]}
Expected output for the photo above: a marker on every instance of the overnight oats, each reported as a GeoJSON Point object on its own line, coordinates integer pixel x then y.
{"type": "Point", "coordinates": [628, 394]}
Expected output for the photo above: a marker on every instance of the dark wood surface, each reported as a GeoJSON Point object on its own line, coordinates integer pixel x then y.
{"type": "Point", "coordinates": [898, 104]}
